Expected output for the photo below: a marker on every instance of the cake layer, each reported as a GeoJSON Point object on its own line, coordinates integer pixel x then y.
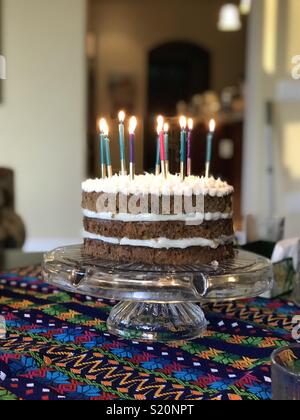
{"type": "Point", "coordinates": [208, 204]}
{"type": "Point", "coordinates": [192, 255]}
{"type": "Point", "coordinates": [150, 230]}
{"type": "Point", "coordinates": [162, 242]}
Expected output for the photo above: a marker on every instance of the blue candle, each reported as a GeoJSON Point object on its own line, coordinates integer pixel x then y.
{"type": "Point", "coordinates": [183, 123]}
{"type": "Point", "coordinates": [102, 124]}
{"type": "Point", "coordinates": [107, 151]}
{"type": "Point", "coordinates": [210, 137]}
{"type": "Point", "coordinates": [166, 131]}
{"type": "Point", "coordinates": [157, 151]}
{"type": "Point", "coordinates": [122, 142]}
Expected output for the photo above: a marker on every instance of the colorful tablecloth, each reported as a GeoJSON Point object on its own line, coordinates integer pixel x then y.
{"type": "Point", "coordinates": [57, 347]}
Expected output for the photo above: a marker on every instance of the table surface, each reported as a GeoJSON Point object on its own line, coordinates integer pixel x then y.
{"type": "Point", "coordinates": [12, 258]}
{"type": "Point", "coordinates": [57, 347]}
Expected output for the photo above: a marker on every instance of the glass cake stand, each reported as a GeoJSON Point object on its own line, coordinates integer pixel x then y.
{"type": "Point", "coordinates": [157, 303]}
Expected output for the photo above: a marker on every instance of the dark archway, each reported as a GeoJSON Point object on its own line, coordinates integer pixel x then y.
{"type": "Point", "coordinates": [176, 71]}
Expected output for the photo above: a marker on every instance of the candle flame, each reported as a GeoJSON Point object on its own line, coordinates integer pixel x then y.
{"type": "Point", "coordinates": [122, 116]}
{"type": "Point", "coordinates": [132, 125]}
{"type": "Point", "coordinates": [183, 122]}
{"type": "Point", "coordinates": [212, 125]}
{"type": "Point", "coordinates": [160, 121]}
{"type": "Point", "coordinates": [106, 129]}
{"type": "Point", "coordinates": [191, 124]}
{"type": "Point", "coordinates": [102, 124]}
{"type": "Point", "coordinates": [166, 127]}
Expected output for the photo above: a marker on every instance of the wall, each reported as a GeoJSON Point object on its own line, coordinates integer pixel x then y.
{"type": "Point", "coordinates": [127, 30]}
{"type": "Point", "coordinates": [269, 78]}
{"type": "Point", "coordinates": [42, 117]}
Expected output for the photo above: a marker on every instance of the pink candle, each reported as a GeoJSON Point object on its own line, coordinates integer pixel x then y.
{"type": "Point", "coordinates": [162, 146]}
{"type": "Point", "coordinates": [161, 134]}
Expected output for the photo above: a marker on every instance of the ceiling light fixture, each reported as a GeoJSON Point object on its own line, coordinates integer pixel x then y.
{"type": "Point", "coordinates": [229, 20]}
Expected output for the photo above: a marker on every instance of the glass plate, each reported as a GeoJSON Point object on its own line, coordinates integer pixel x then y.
{"type": "Point", "coordinates": [247, 275]}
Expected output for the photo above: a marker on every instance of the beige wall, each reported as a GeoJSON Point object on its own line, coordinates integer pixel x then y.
{"type": "Point", "coordinates": [265, 83]}
{"type": "Point", "coordinates": [127, 30]}
{"type": "Point", "coordinates": [42, 117]}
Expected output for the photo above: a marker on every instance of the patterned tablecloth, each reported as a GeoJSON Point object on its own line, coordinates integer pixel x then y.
{"type": "Point", "coordinates": [57, 347]}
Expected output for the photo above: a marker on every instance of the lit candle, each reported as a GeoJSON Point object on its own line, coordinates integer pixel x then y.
{"type": "Point", "coordinates": [107, 148]}
{"type": "Point", "coordinates": [161, 136]}
{"type": "Point", "coordinates": [102, 125]}
{"type": "Point", "coordinates": [132, 128]}
{"type": "Point", "coordinates": [166, 131]}
{"type": "Point", "coordinates": [160, 123]}
{"type": "Point", "coordinates": [210, 136]}
{"type": "Point", "coordinates": [122, 142]}
{"type": "Point", "coordinates": [183, 124]}
{"type": "Point", "coordinates": [189, 147]}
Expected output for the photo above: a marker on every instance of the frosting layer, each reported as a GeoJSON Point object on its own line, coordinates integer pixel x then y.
{"type": "Point", "coordinates": [151, 217]}
{"type": "Point", "coordinates": [158, 185]}
{"type": "Point", "coordinates": [162, 243]}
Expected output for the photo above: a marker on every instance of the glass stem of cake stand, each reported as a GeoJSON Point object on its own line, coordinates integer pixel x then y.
{"type": "Point", "coordinates": [164, 322]}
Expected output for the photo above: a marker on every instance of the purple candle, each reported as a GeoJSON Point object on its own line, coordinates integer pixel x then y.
{"type": "Point", "coordinates": [189, 147]}
{"type": "Point", "coordinates": [132, 128]}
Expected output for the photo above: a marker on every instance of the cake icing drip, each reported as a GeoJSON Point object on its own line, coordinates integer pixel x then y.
{"type": "Point", "coordinates": [162, 243]}
{"type": "Point", "coordinates": [158, 185]}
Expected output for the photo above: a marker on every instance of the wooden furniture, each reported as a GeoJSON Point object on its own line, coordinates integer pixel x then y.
{"type": "Point", "coordinates": [12, 230]}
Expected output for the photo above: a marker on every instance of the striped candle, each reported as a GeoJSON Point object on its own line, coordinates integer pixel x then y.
{"type": "Point", "coordinates": [210, 136]}
{"type": "Point", "coordinates": [183, 123]}
{"type": "Point", "coordinates": [132, 128]}
{"type": "Point", "coordinates": [189, 147]}
{"type": "Point", "coordinates": [107, 150]}
{"type": "Point", "coordinates": [166, 138]}
{"type": "Point", "coordinates": [122, 142]}
{"type": "Point", "coordinates": [102, 124]}
{"type": "Point", "coordinates": [161, 136]}
{"type": "Point", "coordinates": [160, 123]}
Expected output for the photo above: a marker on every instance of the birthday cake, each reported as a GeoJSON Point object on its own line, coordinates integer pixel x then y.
{"type": "Point", "coordinates": [154, 219]}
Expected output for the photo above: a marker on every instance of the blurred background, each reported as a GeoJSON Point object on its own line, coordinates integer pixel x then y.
{"type": "Point", "coordinates": [68, 62]}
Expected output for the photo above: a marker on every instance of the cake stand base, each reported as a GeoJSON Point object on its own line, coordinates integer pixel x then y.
{"type": "Point", "coordinates": [162, 322]}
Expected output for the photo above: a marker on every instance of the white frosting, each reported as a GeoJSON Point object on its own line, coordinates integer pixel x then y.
{"type": "Point", "coordinates": [149, 217]}
{"type": "Point", "coordinates": [158, 185]}
{"type": "Point", "coordinates": [160, 243]}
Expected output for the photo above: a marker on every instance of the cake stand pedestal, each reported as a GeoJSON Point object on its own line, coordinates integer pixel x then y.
{"type": "Point", "coordinates": [157, 303]}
